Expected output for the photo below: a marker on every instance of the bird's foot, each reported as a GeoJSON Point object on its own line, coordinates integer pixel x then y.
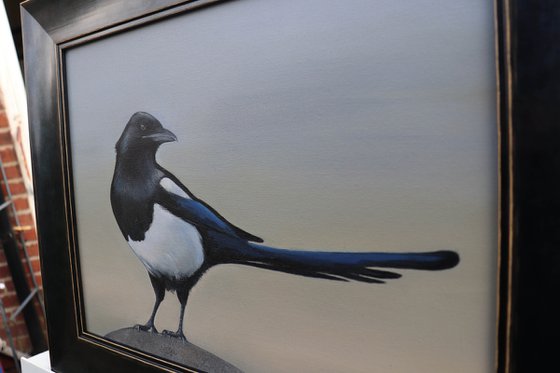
{"type": "Point", "coordinates": [149, 327]}
{"type": "Point", "coordinates": [178, 334]}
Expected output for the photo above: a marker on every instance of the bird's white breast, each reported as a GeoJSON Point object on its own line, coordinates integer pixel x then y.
{"type": "Point", "coordinates": [172, 248]}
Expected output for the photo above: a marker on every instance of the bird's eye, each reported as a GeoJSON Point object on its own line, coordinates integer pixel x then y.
{"type": "Point", "coordinates": [143, 127]}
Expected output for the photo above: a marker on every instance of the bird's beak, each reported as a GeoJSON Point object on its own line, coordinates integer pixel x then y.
{"type": "Point", "coordinates": [162, 136]}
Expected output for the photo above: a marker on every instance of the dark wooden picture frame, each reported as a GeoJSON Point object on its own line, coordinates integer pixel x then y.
{"type": "Point", "coordinates": [528, 85]}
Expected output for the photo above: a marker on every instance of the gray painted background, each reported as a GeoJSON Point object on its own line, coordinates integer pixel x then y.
{"type": "Point", "coordinates": [357, 125]}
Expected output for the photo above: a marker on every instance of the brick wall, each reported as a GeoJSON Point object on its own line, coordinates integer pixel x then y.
{"type": "Point", "coordinates": [20, 199]}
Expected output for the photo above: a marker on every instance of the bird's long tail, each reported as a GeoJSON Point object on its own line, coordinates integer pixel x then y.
{"type": "Point", "coordinates": [343, 266]}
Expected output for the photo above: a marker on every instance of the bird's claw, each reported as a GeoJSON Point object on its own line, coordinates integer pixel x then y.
{"type": "Point", "coordinates": [150, 328]}
{"type": "Point", "coordinates": [178, 334]}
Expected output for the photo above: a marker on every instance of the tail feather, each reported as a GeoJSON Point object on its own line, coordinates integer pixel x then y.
{"type": "Point", "coordinates": [342, 266]}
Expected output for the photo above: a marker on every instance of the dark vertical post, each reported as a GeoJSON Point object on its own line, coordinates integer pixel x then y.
{"type": "Point", "coordinates": [535, 58]}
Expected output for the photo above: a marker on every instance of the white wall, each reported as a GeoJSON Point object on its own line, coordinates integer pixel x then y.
{"type": "Point", "coordinates": [15, 103]}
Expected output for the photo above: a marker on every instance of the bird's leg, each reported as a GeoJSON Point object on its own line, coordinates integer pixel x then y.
{"type": "Point", "coordinates": [159, 290]}
{"type": "Point", "coordinates": [182, 295]}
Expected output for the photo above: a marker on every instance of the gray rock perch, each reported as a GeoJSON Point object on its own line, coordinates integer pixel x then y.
{"type": "Point", "coordinates": [172, 349]}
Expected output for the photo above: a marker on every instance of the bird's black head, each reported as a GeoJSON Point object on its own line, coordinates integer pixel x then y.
{"type": "Point", "coordinates": [143, 132]}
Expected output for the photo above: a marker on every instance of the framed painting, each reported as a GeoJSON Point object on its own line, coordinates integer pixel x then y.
{"type": "Point", "coordinates": [282, 186]}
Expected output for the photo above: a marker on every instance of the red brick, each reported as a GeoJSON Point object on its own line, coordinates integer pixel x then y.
{"type": "Point", "coordinates": [32, 249]}
{"type": "Point", "coordinates": [12, 172]}
{"type": "Point", "coordinates": [21, 340]}
{"type": "Point", "coordinates": [36, 264]}
{"type": "Point", "coordinates": [17, 186]}
{"type": "Point", "coordinates": [30, 235]}
{"type": "Point", "coordinates": [29, 282]}
{"type": "Point", "coordinates": [39, 280]}
{"type": "Point", "coordinates": [8, 154]}
{"type": "Point", "coordinates": [26, 220]}
{"type": "Point", "coordinates": [9, 286]}
{"type": "Point", "coordinates": [6, 138]}
{"type": "Point", "coordinates": [37, 275]}
{"type": "Point", "coordinates": [10, 300]}
{"type": "Point", "coordinates": [21, 204]}
{"type": "Point", "coordinates": [3, 117]}
{"type": "Point", "coordinates": [19, 329]}
{"type": "Point", "coordinates": [19, 321]}
{"type": "Point", "coordinates": [23, 343]}
{"type": "Point", "coordinates": [5, 271]}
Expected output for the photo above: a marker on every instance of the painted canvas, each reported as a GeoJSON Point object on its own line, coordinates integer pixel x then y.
{"type": "Point", "coordinates": [318, 195]}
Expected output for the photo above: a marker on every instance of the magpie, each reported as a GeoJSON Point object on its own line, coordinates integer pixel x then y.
{"type": "Point", "coordinates": [178, 237]}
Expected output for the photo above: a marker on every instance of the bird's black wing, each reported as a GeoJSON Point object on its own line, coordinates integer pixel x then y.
{"type": "Point", "coordinates": [200, 215]}
{"type": "Point", "coordinates": [208, 211]}
{"type": "Point", "coordinates": [238, 231]}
